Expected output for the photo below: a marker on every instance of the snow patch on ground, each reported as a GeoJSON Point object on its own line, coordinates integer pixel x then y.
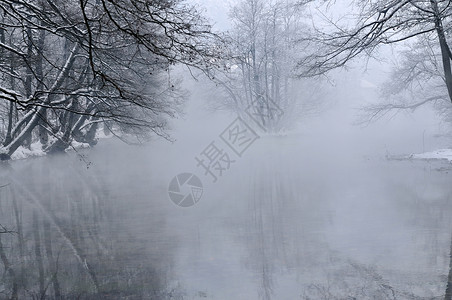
{"type": "Point", "coordinates": [34, 151]}
{"type": "Point", "coordinates": [100, 134]}
{"type": "Point", "coordinates": [37, 151]}
{"type": "Point", "coordinates": [77, 145]}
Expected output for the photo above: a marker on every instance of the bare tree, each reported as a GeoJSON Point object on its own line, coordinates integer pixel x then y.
{"type": "Point", "coordinates": [68, 67]}
{"type": "Point", "coordinates": [423, 74]}
{"type": "Point", "coordinates": [378, 23]}
{"type": "Point", "coordinates": [258, 78]}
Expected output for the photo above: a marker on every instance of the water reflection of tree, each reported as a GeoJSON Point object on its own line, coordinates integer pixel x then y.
{"type": "Point", "coordinates": [289, 212]}
{"type": "Point", "coordinates": [282, 230]}
{"type": "Point", "coordinates": [428, 207]}
{"type": "Point", "coordinates": [71, 241]}
{"type": "Point", "coordinates": [424, 210]}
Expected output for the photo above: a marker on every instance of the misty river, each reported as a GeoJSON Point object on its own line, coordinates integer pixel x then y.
{"type": "Point", "coordinates": [225, 150]}
{"type": "Point", "coordinates": [288, 220]}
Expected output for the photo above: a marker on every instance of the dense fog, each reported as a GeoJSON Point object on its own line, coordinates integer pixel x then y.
{"type": "Point", "coordinates": [238, 161]}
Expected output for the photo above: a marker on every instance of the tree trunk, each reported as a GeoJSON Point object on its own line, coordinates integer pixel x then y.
{"type": "Point", "coordinates": [445, 50]}
{"type": "Point", "coordinates": [31, 119]}
{"type": "Point", "coordinates": [43, 135]}
{"type": "Point", "coordinates": [10, 114]}
{"type": "Point", "coordinates": [12, 82]}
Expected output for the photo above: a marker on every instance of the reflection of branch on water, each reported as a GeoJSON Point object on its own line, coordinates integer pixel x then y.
{"type": "Point", "coordinates": [9, 269]}
{"type": "Point", "coordinates": [354, 280]}
{"type": "Point", "coordinates": [75, 250]}
{"type": "Point", "coordinates": [267, 229]}
{"type": "Point", "coordinates": [103, 253]}
{"type": "Point", "coordinates": [3, 230]}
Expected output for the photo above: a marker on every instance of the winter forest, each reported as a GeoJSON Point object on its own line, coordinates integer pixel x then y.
{"type": "Point", "coordinates": [237, 149]}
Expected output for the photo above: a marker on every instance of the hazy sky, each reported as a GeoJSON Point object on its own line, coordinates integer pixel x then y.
{"type": "Point", "coordinates": [217, 12]}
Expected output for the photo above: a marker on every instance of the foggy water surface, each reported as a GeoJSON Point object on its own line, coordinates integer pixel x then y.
{"type": "Point", "coordinates": [287, 221]}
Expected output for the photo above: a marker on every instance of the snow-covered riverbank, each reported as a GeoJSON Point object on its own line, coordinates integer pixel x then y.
{"type": "Point", "coordinates": [441, 154]}
{"type": "Point", "coordinates": [435, 155]}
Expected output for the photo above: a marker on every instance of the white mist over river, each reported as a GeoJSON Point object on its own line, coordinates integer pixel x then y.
{"type": "Point", "coordinates": [318, 213]}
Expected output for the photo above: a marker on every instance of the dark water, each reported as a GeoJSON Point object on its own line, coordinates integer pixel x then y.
{"type": "Point", "coordinates": [289, 220]}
